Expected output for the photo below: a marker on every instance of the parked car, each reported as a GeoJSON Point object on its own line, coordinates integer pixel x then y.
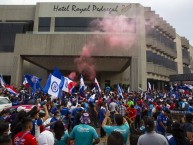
{"type": "Point", "coordinates": [26, 108]}
{"type": "Point", "coordinates": [4, 103]}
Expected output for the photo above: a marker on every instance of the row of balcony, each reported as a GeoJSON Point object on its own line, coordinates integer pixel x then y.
{"type": "Point", "coordinates": [185, 42]}
{"type": "Point", "coordinates": [157, 45]}
{"type": "Point", "coordinates": [160, 60]}
{"type": "Point", "coordinates": [158, 22]}
{"type": "Point", "coordinates": [151, 32]}
{"type": "Point", "coordinates": [160, 42]}
{"type": "Point", "coordinates": [160, 70]}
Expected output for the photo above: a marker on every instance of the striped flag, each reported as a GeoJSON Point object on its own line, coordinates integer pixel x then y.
{"type": "Point", "coordinates": [97, 85]}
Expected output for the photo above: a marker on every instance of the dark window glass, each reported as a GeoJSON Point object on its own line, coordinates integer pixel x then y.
{"type": "Point", "coordinates": [149, 56]}
{"type": "Point", "coordinates": [8, 32]}
{"type": "Point", "coordinates": [186, 70]}
{"type": "Point", "coordinates": [44, 24]}
{"type": "Point", "coordinates": [73, 24]}
{"type": "Point", "coordinates": [85, 24]}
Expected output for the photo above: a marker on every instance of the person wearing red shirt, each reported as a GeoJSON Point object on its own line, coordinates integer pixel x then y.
{"type": "Point", "coordinates": [132, 112]}
{"type": "Point", "coordinates": [24, 137]}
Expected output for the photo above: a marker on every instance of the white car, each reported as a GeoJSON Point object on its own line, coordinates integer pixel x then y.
{"type": "Point", "coordinates": [4, 103]}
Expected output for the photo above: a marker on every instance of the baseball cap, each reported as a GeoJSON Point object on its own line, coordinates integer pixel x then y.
{"type": "Point", "coordinates": [20, 108]}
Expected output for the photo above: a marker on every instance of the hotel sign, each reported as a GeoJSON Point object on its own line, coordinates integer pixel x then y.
{"type": "Point", "coordinates": [83, 9]}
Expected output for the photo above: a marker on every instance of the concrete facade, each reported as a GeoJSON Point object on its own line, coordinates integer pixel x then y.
{"type": "Point", "coordinates": [37, 52]}
{"type": "Point", "coordinates": [179, 54]}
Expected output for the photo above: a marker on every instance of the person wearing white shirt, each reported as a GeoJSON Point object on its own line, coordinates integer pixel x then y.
{"type": "Point", "coordinates": [46, 138]}
{"type": "Point", "coordinates": [112, 108]}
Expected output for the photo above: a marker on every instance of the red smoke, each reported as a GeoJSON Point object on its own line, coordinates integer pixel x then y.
{"type": "Point", "coordinates": [119, 27]}
{"type": "Point", "coordinates": [115, 32]}
{"type": "Point", "coordinates": [85, 62]}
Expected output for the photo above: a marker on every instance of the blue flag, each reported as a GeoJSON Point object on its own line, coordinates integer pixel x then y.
{"type": "Point", "coordinates": [34, 83]}
{"type": "Point", "coordinates": [54, 83]}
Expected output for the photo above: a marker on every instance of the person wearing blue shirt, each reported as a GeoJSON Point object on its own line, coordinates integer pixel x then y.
{"type": "Point", "coordinates": [150, 108]}
{"type": "Point", "coordinates": [76, 112]}
{"type": "Point", "coordinates": [54, 119]}
{"type": "Point", "coordinates": [37, 122]}
{"type": "Point", "coordinates": [102, 113]}
{"type": "Point", "coordinates": [54, 108]}
{"type": "Point", "coordinates": [84, 134]}
{"type": "Point", "coordinates": [66, 113]}
{"type": "Point", "coordinates": [138, 116]}
{"type": "Point", "coordinates": [122, 126]}
{"type": "Point", "coordinates": [176, 135]}
{"type": "Point", "coordinates": [162, 121]}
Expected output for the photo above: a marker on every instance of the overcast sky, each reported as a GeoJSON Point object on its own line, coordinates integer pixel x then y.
{"type": "Point", "coordinates": [177, 12]}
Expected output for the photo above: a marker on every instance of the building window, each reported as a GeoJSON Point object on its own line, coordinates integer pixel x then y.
{"type": "Point", "coordinates": [44, 24]}
{"type": "Point", "coordinates": [8, 32]}
{"type": "Point", "coordinates": [85, 24]}
{"type": "Point", "coordinates": [72, 24]}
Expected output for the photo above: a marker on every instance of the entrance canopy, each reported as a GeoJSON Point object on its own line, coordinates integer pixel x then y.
{"type": "Point", "coordinates": [66, 63]}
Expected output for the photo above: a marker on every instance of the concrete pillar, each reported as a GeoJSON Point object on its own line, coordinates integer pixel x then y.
{"type": "Point", "coordinates": [36, 18]}
{"type": "Point", "coordinates": [52, 24]}
{"type": "Point", "coordinates": [134, 74]}
{"type": "Point", "coordinates": [17, 70]}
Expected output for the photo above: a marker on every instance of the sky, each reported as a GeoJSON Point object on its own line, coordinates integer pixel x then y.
{"type": "Point", "coordinates": [176, 12]}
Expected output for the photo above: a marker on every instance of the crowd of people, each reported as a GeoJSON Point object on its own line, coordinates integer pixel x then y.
{"type": "Point", "coordinates": [136, 118]}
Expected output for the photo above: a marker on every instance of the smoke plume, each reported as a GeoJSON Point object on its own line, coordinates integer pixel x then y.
{"type": "Point", "coordinates": [113, 32]}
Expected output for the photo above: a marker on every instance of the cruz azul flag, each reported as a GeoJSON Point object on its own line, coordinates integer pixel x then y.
{"type": "Point", "coordinates": [97, 85]}
{"type": "Point", "coordinates": [11, 90]}
{"type": "Point", "coordinates": [33, 82]}
{"type": "Point", "coordinates": [82, 86]}
{"type": "Point", "coordinates": [2, 81]}
{"type": "Point", "coordinates": [119, 90]}
{"type": "Point", "coordinates": [69, 85]}
{"type": "Point", "coordinates": [54, 83]}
